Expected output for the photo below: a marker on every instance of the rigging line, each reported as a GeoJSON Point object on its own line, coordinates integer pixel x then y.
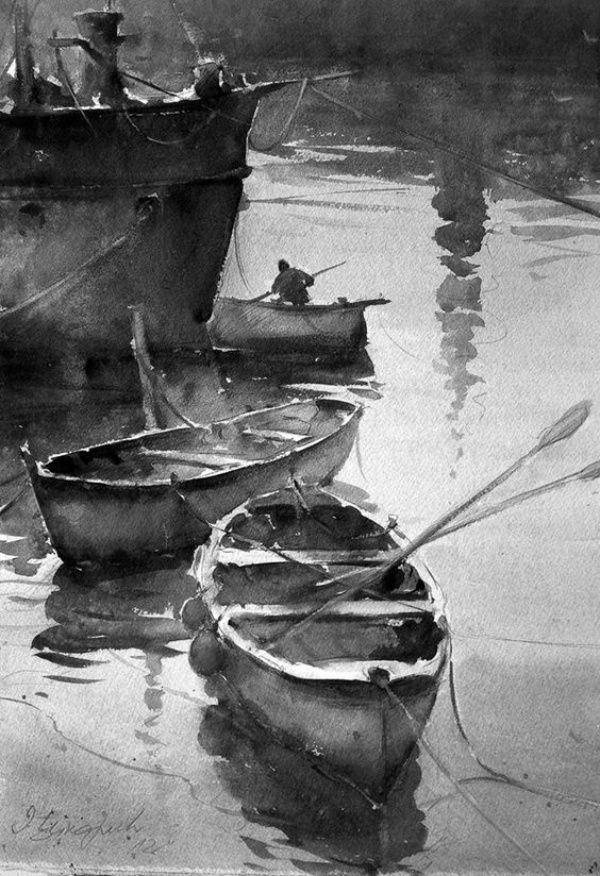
{"type": "Point", "coordinates": [464, 156]}
{"type": "Point", "coordinates": [185, 27]}
{"type": "Point", "coordinates": [286, 127]}
{"type": "Point", "coordinates": [65, 284]}
{"type": "Point", "coordinates": [150, 139]}
{"type": "Point", "coordinates": [466, 795]}
{"type": "Point", "coordinates": [549, 793]}
{"type": "Point", "coordinates": [149, 84]}
{"type": "Point", "coordinates": [66, 79]}
{"type": "Point", "coordinates": [4, 35]}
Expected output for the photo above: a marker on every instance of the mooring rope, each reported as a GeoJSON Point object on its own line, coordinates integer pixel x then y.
{"type": "Point", "coordinates": [550, 793]}
{"type": "Point", "coordinates": [464, 156]}
{"type": "Point", "coordinates": [380, 678]}
{"type": "Point", "coordinates": [66, 282]}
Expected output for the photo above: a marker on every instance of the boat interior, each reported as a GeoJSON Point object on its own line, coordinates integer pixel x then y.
{"type": "Point", "coordinates": [318, 538]}
{"type": "Point", "coordinates": [390, 633]}
{"type": "Point", "coordinates": [189, 453]}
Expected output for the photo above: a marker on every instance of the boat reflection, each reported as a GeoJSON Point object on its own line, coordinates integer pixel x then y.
{"type": "Point", "coordinates": [279, 788]}
{"type": "Point", "coordinates": [109, 609]}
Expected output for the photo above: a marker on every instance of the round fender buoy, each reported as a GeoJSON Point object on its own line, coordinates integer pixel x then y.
{"type": "Point", "coordinates": [193, 613]}
{"type": "Point", "coordinates": [206, 653]}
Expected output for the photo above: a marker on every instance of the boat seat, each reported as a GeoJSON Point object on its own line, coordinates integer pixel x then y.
{"type": "Point", "coordinates": [200, 459]}
{"type": "Point", "coordinates": [258, 557]}
{"type": "Point", "coordinates": [275, 435]}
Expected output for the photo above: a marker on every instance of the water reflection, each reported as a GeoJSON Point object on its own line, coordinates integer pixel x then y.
{"type": "Point", "coordinates": [459, 201]}
{"type": "Point", "coordinates": [107, 609]}
{"type": "Point", "coordinates": [279, 788]}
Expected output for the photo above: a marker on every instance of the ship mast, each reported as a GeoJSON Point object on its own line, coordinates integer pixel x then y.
{"type": "Point", "coordinates": [100, 40]}
{"type": "Point", "coordinates": [25, 79]}
{"type": "Point", "coordinates": [100, 74]}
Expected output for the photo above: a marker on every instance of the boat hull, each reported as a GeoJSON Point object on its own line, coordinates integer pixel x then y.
{"type": "Point", "coordinates": [319, 331]}
{"type": "Point", "coordinates": [94, 522]}
{"type": "Point", "coordinates": [354, 706]}
{"type": "Point", "coordinates": [71, 265]}
{"type": "Point", "coordinates": [354, 732]}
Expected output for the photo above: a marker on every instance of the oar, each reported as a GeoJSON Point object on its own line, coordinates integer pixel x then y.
{"type": "Point", "coordinates": [330, 268]}
{"type": "Point", "coordinates": [566, 426]}
{"type": "Point", "coordinates": [315, 274]}
{"type": "Point", "coordinates": [589, 473]}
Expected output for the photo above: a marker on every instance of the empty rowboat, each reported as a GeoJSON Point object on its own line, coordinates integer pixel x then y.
{"type": "Point", "coordinates": [351, 688]}
{"type": "Point", "coordinates": [330, 331]}
{"type": "Point", "coordinates": [157, 492]}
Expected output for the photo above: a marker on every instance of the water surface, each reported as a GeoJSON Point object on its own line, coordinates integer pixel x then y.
{"type": "Point", "coordinates": [119, 757]}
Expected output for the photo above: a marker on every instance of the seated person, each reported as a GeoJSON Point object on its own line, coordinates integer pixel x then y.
{"type": "Point", "coordinates": [290, 285]}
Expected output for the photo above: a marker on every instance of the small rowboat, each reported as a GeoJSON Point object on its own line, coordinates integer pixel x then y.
{"type": "Point", "coordinates": [116, 502]}
{"type": "Point", "coordinates": [351, 689]}
{"type": "Point", "coordinates": [328, 331]}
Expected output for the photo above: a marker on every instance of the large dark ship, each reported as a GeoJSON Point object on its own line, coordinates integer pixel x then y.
{"type": "Point", "coordinates": [110, 199]}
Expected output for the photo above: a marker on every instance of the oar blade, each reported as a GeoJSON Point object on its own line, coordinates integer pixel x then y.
{"type": "Point", "coordinates": [568, 424]}
{"type": "Point", "coordinates": [590, 472]}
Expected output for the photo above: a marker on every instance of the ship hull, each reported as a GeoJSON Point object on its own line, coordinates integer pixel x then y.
{"type": "Point", "coordinates": [71, 266]}
{"type": "Point", "coordinates": [104, 208]}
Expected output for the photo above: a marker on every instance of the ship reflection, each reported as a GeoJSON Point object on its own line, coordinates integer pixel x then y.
{"type": "Point", "coordinates": [460, 202]}
{"type": "Point", "coordinates": [279, 788]}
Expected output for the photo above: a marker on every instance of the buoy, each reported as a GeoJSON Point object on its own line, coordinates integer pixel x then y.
{"type": "Point", "coordinates": [206, 653]}
{"type": "Point", "coordinates": [193, 613]}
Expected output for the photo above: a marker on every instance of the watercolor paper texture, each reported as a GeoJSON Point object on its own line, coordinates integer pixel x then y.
{"type": "Point", "coordinates": [299, 446]}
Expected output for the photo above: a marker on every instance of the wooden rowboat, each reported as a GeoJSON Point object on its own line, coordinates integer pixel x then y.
{"type": "Point", "coordinates": [116, 502]}
{"type": "Point", "coordinates": [316, 330]}
{"type": "Point", "coordinates": [354, 687]}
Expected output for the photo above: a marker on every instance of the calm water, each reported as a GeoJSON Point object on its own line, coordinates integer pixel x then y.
{"type": "Point", "coordinates": [491, 334]}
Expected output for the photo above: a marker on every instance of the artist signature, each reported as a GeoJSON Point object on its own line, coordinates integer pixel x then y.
{"type": "Point", "coordinates": [40, 825]}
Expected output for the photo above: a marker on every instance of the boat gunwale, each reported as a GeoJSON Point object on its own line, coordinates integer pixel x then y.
{"type": "Point", "coordinates": [311, 309]}
{"type": "Point", "coordinates": [353, 410]}
{"type": "Point", "coordinates": [351, 670]}
{"type": "Point", "coordinates": [206, 556]}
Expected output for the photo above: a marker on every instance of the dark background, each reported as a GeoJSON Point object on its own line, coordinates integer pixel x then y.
{"type": "Point", "coordinates": [430, 33]}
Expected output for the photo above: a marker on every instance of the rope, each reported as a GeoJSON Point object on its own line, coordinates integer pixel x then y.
{"type": "Point", "coordinates": [184, 26]}
{"type": "Point", "coordinates": [550, 793]}
{"type": "Point", "coordinates": [464, 156]}
{"type": "Point", "coordinates": [320, 570]}
{"type": "Point", "coordinates": [156, 379]}
{"type": "Point", "coordinates": [64, 76]}
{"type": "Point", "coordinates": [67, 280]}
{"type": "Point", "coordinates": [148, 83]}
{"type": "Point", "coordinates": [193, 130]}
{"type": "Point", "coordinates": [13, 499]}
{"type": "Point", "coordinates": [238, 260]}
{"type": "Point", "coordinates": [286, 127]}
{"type": "Point", "coordinates": [380, 678]}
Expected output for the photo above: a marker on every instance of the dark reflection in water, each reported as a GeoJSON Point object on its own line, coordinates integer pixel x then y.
{"type": "Point", "coordinates": [106, 609]}
{"type": "Point", "coordinates": [459, 201]}
{"type": "Point", "coordinates": [55, 414]}
{"type": "Point", "coordinates": [280, 789]}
